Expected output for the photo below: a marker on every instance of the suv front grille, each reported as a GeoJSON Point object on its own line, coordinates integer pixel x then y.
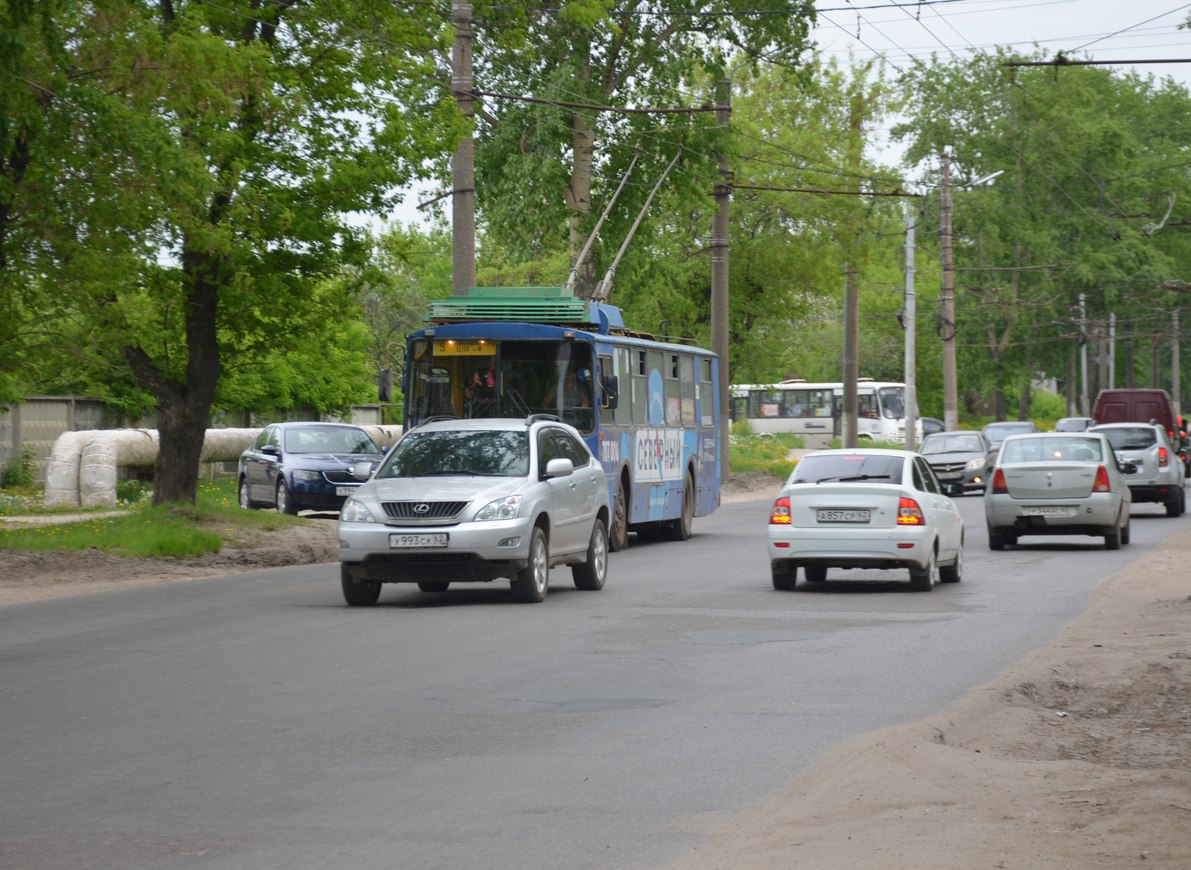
{"type": "Point", "coordinates": [423, 510]}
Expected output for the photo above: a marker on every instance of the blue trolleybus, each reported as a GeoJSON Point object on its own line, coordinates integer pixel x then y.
{"type": "Point", "coordinates": [647, 408]}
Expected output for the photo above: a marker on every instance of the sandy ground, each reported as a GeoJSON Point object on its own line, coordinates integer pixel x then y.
{"type": "Point", "coordinates": [1078, 757]}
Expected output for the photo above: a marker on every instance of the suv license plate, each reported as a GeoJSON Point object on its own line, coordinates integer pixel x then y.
{"type": "Point", "coordinates": [838, 516]}
{"type": "Point", "coordinates": [428, 539]}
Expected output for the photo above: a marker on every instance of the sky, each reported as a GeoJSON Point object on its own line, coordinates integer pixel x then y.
{"type": "Point", "coordinates": [899, 30]}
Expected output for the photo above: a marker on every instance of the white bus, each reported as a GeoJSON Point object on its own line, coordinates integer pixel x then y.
{"type": "Point", "coordinates": [814, 410]}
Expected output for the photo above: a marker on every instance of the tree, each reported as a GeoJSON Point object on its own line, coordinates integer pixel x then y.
{"type": "Point", "coordinates": [233, 141]}
{"type": "Point", "coordinates": [1089, 203]}
{"type": "Point", "coordinates": [540, 166]}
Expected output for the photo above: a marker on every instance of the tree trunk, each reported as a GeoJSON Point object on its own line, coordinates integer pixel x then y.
{"type": "Point", "coordinates": [184, 408]}
{"type": "Point", "coordinates": [579, 198]}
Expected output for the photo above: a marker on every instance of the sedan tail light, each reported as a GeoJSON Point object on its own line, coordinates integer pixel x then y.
{"type": "Point", "coordinates": [1101, 484]}
{"type": "Point", "coordinates": [780, 515]}
{"type": "Point", "coordinates": [1163, 457]}
{"type": "Point", "coordinates": [998, 483]}
{"type": "Point", "coordinates": [909, 514]}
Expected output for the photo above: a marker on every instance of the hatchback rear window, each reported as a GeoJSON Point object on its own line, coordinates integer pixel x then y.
{"type": "Point", "coordinates": [1131, 439]}
{"type": "Point", "coordinates": [485, 454]}
{"type": "Point", "coordinates": [1051, 450]}
{"type": "Point", "coordinates": [849, 468]}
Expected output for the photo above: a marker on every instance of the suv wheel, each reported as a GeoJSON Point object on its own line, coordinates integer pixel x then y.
{"type": "Point", "coordinates": [592, 573]}
{"type": "Point", "coordinates": [531, 582]}
{"type": "Point", "coordinates": [358, 593]}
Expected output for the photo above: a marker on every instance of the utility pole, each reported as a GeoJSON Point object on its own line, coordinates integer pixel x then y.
{"type": "Point", "coordinates": [911, 360]}
{"type": "Point", "coordinates": [947, 302]}
{"type": "Point", "coordinates": [1174, 362]}
{"type": "Point", "coordinates": [463, 163]}
{"type": "Point", "coordinates": [1084, 406]}
{"type": "Point", "coordinates": [851, 362]}
{"type": "Point", "coordinates": [1112, 350]}
{"type": "Point", "coordinates": [719, 272]}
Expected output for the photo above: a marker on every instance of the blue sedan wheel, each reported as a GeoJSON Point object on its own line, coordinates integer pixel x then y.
{"type": "Point", "coordinates": [285, 504]}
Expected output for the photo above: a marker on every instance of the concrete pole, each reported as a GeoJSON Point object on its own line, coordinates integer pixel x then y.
{"type": "Point", "coordinates": [911, 360]}
{"type": "Point", "coordinates": [947, 302]}
{"type": "Point", "coordinates": [1175, 386]}
{"type": "Point", "coordinates": [463, 163]}
{"type": "Point", "coordinates": [1112, 350]}
{"type": "Point", "coordinates": [719, 272]}
{"type": "Point", "coordinates": [1084, 402]}
{"type": "Point", "coordinates": [851, 361]}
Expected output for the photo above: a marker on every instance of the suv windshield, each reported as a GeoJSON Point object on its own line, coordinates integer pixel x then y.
{"type": "Point", "coordinates": [500, 453]}
{"type": "Point", "coordinates": [848, 468]}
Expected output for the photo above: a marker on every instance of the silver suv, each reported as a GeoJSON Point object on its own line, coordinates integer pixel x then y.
{"type": "Point", "coordinates": [1158, 471]}
{"type": "Point", "coordinates": [477, 500]}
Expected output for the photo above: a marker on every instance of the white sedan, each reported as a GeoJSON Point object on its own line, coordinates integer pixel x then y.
{"type": "Point", "coordinates": [865, 508]}
{"type": "Point", "coordinates": [1058, 483]}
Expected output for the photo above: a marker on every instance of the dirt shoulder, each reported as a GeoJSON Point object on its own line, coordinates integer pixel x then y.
{"type": "Point", "coordinates": [1078, 757]}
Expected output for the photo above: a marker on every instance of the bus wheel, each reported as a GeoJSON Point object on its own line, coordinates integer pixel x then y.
{"type": "Point", "coordinates": [618, 535]}
{"type": "Point", "coordinates": [680, 529]}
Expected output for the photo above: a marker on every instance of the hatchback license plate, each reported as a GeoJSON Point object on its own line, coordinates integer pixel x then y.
{"type": "Point", "coordinates": [840, 516]}
{"type": "Point", "coordinates": [1051, 510]}
{"type": "Point", "coordinates": [428, 539]}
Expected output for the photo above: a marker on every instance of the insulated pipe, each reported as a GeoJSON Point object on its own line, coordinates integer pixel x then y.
{"type": "Point", "coordinates": [84, 466]}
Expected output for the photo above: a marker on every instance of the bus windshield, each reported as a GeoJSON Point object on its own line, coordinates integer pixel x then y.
{"type": "Point", "coordinates": [494, 378]}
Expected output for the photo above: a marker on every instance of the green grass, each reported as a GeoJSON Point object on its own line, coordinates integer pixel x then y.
{"type": "Point", "coordinates": [140, 529]}
{"type": "Point", "coordinates": [766, 454]}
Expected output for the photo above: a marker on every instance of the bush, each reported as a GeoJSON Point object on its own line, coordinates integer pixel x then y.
{"type": "Point", "coordinates": [21, 471]}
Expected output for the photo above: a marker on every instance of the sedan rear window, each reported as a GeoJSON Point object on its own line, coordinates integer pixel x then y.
{"type": "Point", "coordinates": [487, 454]}
{"type": "Point", "coordinates": [1051, 450]}
{"type": "Point", "coordinates": [849, 468]}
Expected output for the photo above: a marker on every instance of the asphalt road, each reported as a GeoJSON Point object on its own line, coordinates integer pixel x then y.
{"type": "Point", "coordinates": [256, 722]}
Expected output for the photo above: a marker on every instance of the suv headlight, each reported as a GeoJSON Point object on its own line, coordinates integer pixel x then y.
{"type": "Point", "coordinates": [502, 509]}
{"type": "Point", "coordinates": [355, 511]}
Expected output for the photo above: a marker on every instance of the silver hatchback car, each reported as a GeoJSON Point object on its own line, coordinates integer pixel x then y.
{"type": "Point", "coordinates": [1058, 483]}
{"type": "Point", "coordinates": [478, 500]}
{"type": "Point", "coordinates": [1159, 471]}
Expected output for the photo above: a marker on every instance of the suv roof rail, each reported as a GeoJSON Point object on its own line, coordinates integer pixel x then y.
{"type": "Point", "coordinates": [534, 418]}
{"type": "Point", "coordinates": [437, 418]}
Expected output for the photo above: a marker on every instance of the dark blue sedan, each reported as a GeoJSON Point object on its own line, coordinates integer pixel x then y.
{"type": "Point", "coordinates": [304, 466]}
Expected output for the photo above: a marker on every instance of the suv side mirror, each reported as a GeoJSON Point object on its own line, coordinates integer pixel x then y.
{"type": "Point", "coordinates": [561, 467]}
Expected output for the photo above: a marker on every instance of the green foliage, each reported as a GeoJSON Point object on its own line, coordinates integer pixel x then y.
{"type": "Point", "coordinates": [21, 471]}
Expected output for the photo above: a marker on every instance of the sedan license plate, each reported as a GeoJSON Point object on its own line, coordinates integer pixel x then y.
{"type": "Point", "coordinates": [1051, 510]}
{"type": "Point", "coordinates": [949, 475]}
{"type": "Point", "coordinates": [842, 516]}
{"type": "Point", "coordinates": [345, 490]}
{"type": "Point", "coordinates": [426, 539]}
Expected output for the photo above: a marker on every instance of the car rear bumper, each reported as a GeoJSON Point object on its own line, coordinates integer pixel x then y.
{"type": "Point", "coordinates": [1151, 492]}
{"type": "Point", "coordinates": [903, 547]}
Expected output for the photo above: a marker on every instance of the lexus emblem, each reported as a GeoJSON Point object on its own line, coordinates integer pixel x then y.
{"type": "Point", "coordinates": [422, 508]}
